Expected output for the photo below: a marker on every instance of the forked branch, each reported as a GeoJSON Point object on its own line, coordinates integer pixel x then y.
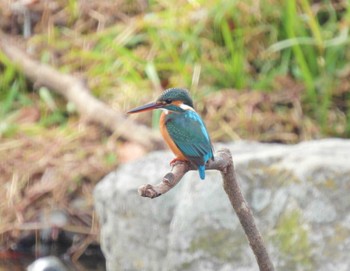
{"type": "Point", "coordinates": [223, 162]}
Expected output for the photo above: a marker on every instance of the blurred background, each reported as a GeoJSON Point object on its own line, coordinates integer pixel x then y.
{"type": "Point", "coordinates": [268, 70]}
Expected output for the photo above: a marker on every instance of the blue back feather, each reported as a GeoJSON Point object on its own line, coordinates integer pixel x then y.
{"type": "Point", "coordinates": [190, 135]}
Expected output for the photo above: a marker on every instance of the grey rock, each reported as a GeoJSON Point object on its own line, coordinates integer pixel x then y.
{"type": "Point", "coordinates": [299, 195]}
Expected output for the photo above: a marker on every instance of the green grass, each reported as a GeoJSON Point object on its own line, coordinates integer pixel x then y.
{"type": "Point", "coordinates": [15, 95]}
{"type": "Point", "coordinates": [316, 44]}
{"type": "Point", "coordinates": [11, 81]}
{"type": "Point", "coordinates": [209, 46]}
{"type": "Point", "coordinates": [11, 97]}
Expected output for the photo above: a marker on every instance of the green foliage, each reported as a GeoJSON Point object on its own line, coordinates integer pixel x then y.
{"type": "Point", "coordinates": [11, 82]}
{"type": "Point", "coordinates": [209, 46]}
{"type": "Point", "coordinates": [57, 117]}
{"type": "Point", "coordinates": [111, 159]}
{"type": "Point", "coordinates": [316, 46]}
{"type": "Point", "coordinates": [14, 96]}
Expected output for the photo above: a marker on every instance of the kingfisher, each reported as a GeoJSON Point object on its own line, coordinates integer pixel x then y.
{"type": "Point", "coordinates": [182, 128]}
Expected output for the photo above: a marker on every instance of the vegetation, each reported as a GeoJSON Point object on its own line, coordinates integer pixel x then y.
{"type": "Point", "coordinates": [269, 70]}
{"type": "Point", "coordinates": [205, 46]}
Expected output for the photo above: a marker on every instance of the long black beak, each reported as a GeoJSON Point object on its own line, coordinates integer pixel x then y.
{"type": "Point", "coordinates": [145, 107]}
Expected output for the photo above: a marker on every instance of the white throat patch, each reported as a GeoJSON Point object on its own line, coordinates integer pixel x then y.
{"type": "Point", "coordinates": [166, 111]}
{"type": "Point", "coordinates": [186, 107]}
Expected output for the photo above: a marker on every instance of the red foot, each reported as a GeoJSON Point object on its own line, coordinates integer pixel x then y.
{"type": "Point", "coordinates": [172, 162]}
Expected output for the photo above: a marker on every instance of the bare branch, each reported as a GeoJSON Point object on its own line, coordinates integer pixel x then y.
{"type": "Point", "coordinates": [223, 162]}
{"type": "Point", "coordinates": [75, 91]}
{"type": "Point", "coordinates": [178, 170]}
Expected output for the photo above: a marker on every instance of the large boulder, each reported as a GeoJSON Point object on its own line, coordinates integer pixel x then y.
{"type": "Point", "coordinates": [300, 197]}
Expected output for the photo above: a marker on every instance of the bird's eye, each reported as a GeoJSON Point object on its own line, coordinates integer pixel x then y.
{"type": "Point", "coordinates": [168, 101]}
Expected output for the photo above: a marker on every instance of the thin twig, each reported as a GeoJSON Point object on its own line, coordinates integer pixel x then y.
{"type": "Point", "coordinates": [75, 91]}
{"type": "Point", "coordinates": [223, 162]}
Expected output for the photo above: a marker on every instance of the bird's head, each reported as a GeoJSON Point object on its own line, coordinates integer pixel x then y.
{"type": "Point", "coordinates": [172, 99]}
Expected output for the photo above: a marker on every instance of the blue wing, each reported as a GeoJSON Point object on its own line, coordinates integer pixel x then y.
{"type": "Point", "coordinates": [190, 135]}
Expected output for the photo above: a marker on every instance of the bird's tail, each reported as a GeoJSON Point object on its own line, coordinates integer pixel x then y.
{"type": "Point", "coordinates": [201, 170]}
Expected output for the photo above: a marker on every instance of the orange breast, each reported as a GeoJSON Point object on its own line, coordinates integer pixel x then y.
{"type": "Point", "coordinates": [168, 139]}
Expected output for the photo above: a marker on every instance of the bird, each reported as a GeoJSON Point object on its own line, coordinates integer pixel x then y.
{"type": "Point", "coordinates": [182, 128]}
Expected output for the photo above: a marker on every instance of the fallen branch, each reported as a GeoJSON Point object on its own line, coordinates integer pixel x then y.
{"type": "Point", "coordinates": [223, 162]}
{"type": "Point", "coordinates": [75, 91]}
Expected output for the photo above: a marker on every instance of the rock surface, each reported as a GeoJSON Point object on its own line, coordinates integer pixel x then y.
{"type": "Point", "coordinates": [299, 196]}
